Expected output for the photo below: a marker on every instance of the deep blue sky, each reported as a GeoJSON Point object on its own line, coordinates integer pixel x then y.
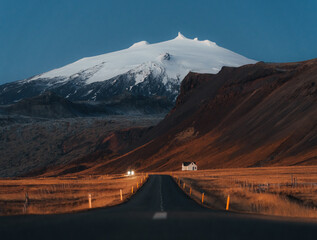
{"type": "Point", "coordinates": [39, 35]}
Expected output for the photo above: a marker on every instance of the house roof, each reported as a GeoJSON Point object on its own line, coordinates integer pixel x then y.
{"type": "Point", "coordinates": [188, 163]}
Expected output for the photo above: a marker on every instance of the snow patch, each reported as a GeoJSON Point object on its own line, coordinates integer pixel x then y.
{"type": "Point", "coordinates": [139, 44]}
{"type": "Point", "coordinates": [209, 43]}
{"type": "Point", "coordinates": [145, 70]}
{"type": "Point", "coordinates": [88, 92]}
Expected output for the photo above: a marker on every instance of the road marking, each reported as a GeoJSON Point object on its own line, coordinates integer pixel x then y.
{"type": "Point", "coordinates": [161, 195]}
{"type": "Point", "coordinates": [160, 215]}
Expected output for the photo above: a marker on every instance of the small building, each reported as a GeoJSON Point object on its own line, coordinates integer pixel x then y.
{"type": "Point", "coordinates": [189, 166]}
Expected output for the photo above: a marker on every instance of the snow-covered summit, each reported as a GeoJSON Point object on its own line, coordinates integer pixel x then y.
{"type": "Point", "coordinates": [181, 36]}
{"type": "Point", "coordinates": [188, 55]}
{"type": "Point", "coordinates": [146, 72]}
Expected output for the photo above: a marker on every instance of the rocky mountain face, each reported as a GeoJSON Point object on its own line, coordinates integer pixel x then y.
{"type": "Point", "coordinates": [51, 106]}
{"type": "Point", "coordinates": [76, 89]}
{"type": "Point", "coordinates": [252, 116]}
{"type": "Point", "coordinates": [148, 72]}
{"type": "Point", "coordinates": [47, 105]}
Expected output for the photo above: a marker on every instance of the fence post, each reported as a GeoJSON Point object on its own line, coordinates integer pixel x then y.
{"type": "Point", "coordinates": [121, 194]}
{"type": "Point", "coordinates": [228, 201]}
{"type": "Point", "coordinates": [137, 185]}
{"type": "Point", "coordinates": [183, 185]}
{"type": "Point", "coordinates": [132, 189]}
{"type": "Point", "coordinates": [190, 191]}
{"type": "Point", "coordinates": [26, 203]}
{"type": "Point", "coordinates": [295, 181]}
{"type": "Point", "coordinates": [202, 197]}
{"type": "Point", "coordinates": [89, 200]}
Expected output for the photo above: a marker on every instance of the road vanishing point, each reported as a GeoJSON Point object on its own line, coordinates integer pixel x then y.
{"type": "Point", "coordinates": [159, 210]}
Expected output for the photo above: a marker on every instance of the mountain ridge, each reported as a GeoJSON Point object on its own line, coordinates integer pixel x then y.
{"type": "Point", "coordinates": [252, 116]}
{"type": "Point", "coordinates": [148, 70]}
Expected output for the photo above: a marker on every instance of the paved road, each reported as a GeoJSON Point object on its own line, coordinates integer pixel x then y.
{"type": "Point", "coordinates": [160, 210]}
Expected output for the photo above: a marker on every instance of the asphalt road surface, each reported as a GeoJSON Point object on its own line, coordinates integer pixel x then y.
{"type": "Point", "coordinates": [160, 210]}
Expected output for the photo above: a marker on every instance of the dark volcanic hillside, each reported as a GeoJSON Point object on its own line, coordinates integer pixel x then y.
{"type": "Point", "coordinates": [255, 115]}
{"type": "Point", "coordinates": [27, 144]}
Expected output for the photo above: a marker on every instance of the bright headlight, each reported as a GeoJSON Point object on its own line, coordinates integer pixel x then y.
{"type": "Point", "coordinates": [132, 172]}
{"type": "Point", "coordinates": [129, 173]}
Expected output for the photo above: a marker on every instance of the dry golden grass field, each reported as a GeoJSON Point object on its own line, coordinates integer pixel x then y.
{"type": "Point", "coordinates": [281, 191]}
{"type": "Point", "coordinates": [65, 194]}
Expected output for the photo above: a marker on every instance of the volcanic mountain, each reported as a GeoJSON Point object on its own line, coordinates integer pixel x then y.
{"type": "Point", "coordinates": [262, 114]}
{"type": "Point", "coordinates": [142, 71]}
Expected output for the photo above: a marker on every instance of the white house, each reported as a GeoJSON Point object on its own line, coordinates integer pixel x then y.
{"type": "Point", "coordinates": [189, 166]}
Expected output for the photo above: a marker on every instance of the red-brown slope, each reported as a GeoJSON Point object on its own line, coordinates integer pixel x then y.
{"type": "Point", "coordinates": [255, 115]}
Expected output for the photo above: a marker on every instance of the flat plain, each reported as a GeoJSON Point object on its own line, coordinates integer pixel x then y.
{"type": "Point", "coordinates": [281, 191]}
{"type": "Point", "coordinates": [65, 194]}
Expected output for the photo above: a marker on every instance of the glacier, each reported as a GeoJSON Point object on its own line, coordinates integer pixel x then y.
{"type": "Point", "coordinates": [186, 55]}
{"type": "Point", "coordinates": [144, 69]}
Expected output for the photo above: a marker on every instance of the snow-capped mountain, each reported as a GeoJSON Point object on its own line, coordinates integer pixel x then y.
{"type": "Point", "coordinates": [147, 70]}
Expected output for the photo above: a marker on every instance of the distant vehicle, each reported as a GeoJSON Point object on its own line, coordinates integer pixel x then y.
{"type": "Point", "coordinates": [189, 166]}
{"type": "Point", "coordinates": [130, 173]}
